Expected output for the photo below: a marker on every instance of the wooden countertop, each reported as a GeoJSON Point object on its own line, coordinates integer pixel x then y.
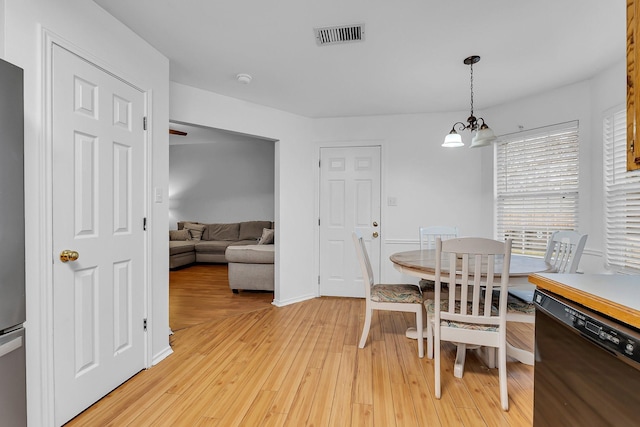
{"type": "Point", "coordinates": [615, 295]}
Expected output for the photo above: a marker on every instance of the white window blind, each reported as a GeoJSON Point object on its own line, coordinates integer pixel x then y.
{"type": "Point", "coordinates": [536, 186]}
{"type": "Point", "coordinates": [622, 197]}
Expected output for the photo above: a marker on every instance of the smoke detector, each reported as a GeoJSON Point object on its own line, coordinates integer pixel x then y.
{"type": "Point", "coordinates": [245, 79]}
{"type": "Point", "coordinates": [339, 34]}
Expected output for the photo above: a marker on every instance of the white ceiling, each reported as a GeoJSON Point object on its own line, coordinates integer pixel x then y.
{"type": "Point", "coordinates": [410, 62]}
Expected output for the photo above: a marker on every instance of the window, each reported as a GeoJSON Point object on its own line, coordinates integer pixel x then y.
{"type": "Point", "coordinates": [622, 197]}
{"type": "Point", "coordinates": [536, 186]}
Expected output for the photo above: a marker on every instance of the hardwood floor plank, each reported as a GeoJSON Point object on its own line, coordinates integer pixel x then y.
{"type": "Point", "coordinates": [340, 330]}
{"type": "Point", "coordinates": [363, 386]}
{"type": "Point", "coordinates": [274, 420]}
{"type": "Point", "coordinates": [362, 415]}
{"type": "Point", "coordinates": [407, 348]}
{"type": "Point", "coordinates": [423, 406]}
{"type": "Point", "coordinates": [209, 422]}
{"type": "Point", "coordinates": [240, 361]}
{"type": "Point", "coordinates": [295, 375]}
{"type": "Point", "coordinates": [394, 359]}
{"type": "Point", "coordinates": [259, 409]}
{"type": "Point", "coordinates": [383, 411]}
{"type": "Point", "coordinates": [471, 417]}
{"type": "Point", "coordinates": [327, 322]}
{"type": "Point", "coordinates": [403, 405]}
{"type": "Point", "coordinates": [481, 390]}
{"type": "Point", "coordinates": [143, 418]}
{"type": "Point", "coordinates": [321, 405]}
{"type": "Point", "coordinates": [343, 395]}
{"type": "Point", "coordinates": [301, 406]}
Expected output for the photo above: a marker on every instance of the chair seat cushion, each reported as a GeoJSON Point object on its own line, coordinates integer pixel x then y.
{"type": "Point", "coordinates": [409, 294]}
{"type": "Point", "coordinates": [430, 285]}
{"type": "Point", "coordinates": [516, 305]}
{"type": "Point", "coordinates": [444, 306]}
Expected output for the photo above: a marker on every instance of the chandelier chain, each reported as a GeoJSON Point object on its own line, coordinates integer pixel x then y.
{"type": "Point", "coordinates": [471, 65]}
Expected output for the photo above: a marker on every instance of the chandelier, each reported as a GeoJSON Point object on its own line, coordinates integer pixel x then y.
{"type": "Point", "coordinates": [483, 134]}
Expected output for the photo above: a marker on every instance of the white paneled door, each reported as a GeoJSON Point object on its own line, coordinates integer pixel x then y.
{"type": "Point", "coordinates": [349, 200]}
{"type": "Point", "coordinates": [98, 213]}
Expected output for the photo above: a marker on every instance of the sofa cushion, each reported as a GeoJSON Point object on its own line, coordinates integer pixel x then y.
{"type": "Point", "coordinates": [179, 235]}
{"type": "Point", "coordinates": [196, 230]}
{"type": "Point", "coordinates": [212, 246]}
{"type": "Point", "coordinates": [181, 246]}
{"type": "Point", "coordinates": [227, 232]}
{"type": "Point", "coordinates": [252, 230]}
{"type": "Point", "coordinates": [251, 254]}
{"type": "Point", "coordinates": [243, 243]}
{"type": "Point", "coordinates": [267, 237]}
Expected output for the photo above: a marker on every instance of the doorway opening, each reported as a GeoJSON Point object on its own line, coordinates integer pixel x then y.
{"type": "Point", "coordinates": [215, 177]}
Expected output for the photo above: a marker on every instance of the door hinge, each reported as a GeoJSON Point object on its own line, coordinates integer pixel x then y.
{"type": "Point", "coordinates": [144, 324]}
{"type": "Point", "coordinates": [318, 279]}
{"type": "Point", "coordinates": [319, 163]}
{"type": "Point", "coordinates": [144, 224]}
{"type": "Point", "coordinates": [144, 123]}
{"type": "Point", "coordinates": [318, 221]}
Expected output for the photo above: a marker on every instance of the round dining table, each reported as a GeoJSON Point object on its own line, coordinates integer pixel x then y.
{"type": "Point", "coordinates": [422, 264]}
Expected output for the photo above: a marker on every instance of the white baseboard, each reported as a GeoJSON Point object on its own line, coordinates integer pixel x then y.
{"type": "Point", "coordinates": [282, 303]}
{"type": "Point", "coordinates": [159, 357]}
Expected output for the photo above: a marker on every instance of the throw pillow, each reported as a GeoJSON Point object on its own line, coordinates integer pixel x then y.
{"type": "Point", "coordinates": [195, 230]}
{"type": "Point", "coordinates": [267, 237]}
{"type": "Point", "coordinates": [179, 234]}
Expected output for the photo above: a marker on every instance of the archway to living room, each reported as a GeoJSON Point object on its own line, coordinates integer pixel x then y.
{"type": "Point", "coordinates": [223, 178]}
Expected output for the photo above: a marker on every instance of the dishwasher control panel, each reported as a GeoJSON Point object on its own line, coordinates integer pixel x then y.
{"type": "Point", "coordinates": [615, 337]}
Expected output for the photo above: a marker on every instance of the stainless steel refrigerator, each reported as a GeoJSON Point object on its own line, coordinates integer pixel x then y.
{"type": "Point", "coordinates": [13, 396]}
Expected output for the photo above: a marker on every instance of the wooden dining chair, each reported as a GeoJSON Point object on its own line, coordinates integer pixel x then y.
{"type": "Point", "coordinates": [429, 234]}
{"type": "Point", "coordinates": [428, 237]}
{"type": "Point", "coordinates": [392, 297]}
{"type": "Point", "coordinates": [466, 317]}
{"type": "Point", "coordinates": [563, 253]}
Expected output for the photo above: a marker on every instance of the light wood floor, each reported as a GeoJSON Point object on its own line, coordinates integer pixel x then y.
{"type": "Point", "coordinates": [249, 363]}
{"type": "Point", "coordinates": [200, 293]}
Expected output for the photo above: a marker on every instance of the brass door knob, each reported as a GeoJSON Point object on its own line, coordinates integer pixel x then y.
{"type": "Point", "coordinates": [375, 234]}
{"type": "Point", "coordinates": [67, 255]}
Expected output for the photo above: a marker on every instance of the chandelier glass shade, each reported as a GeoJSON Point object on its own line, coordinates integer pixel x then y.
{"type": "Point", "coordinates": [484, 136]}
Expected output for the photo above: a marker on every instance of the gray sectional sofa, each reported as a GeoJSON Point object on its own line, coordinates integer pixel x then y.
{"type": "Point", "coordinates": [251, 267]}
{"type": "Point", "coordinates": [247, 247]}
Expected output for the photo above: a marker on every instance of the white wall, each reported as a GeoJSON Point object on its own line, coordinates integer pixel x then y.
{"type": "Point", "coordinates": [2, 25]}
{"type": "Point", "coordinates": [84, 27]}
{"type": "Point", "coordinates": [294, 177]}
{"type": "Point", "coordinates": [608, 90]}
{"type": "Point", "coordinates": [220, 177]}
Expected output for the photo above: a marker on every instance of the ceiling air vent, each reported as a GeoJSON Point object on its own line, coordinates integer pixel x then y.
{"type": "Point", "coordinates": [339, 34]}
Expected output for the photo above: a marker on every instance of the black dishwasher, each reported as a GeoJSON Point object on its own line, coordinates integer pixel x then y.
{"type": "Point", "coordinates": [587, 367]}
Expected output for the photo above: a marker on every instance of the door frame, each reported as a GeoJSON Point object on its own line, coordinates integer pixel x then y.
{"type": "Point", "coordinates": [356, 143]}
{"type": "Point", "coordinates": [45, 211]}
